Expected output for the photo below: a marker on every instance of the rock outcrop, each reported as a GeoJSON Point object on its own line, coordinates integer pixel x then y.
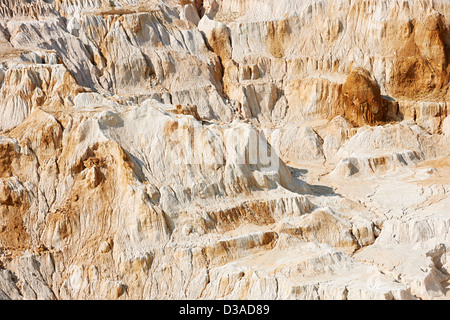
{"type": "Point", "coordinates": [224, 149]}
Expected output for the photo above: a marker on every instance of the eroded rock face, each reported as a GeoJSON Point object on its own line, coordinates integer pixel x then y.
{"type": "Point", "coordinates": [224, 149]}
{"type": "Point", "coordinates": [421, 64]}
{"type": "Point", "coordinates": [362, 99]}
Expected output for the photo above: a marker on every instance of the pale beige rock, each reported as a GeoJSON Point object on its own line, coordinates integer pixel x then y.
{"type": "Point", "coordinates": [224, 149]}
{"type": "Point", "coordinates": [446, 127]}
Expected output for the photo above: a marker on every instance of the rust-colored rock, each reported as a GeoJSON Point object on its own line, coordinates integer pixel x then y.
{"type": "Point", "coordinates": [361, 99]}
{"type": "Point", "coordinates": [421, 66]}
{"type": "Point", "coordinates": [187, 110]}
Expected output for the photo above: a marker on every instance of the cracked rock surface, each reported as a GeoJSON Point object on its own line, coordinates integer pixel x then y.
{"type": "Point", "coordinates": [223, 149]}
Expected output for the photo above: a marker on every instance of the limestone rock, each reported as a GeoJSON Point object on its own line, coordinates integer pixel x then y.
{"type": "Point", "coordinates": [222, 149]}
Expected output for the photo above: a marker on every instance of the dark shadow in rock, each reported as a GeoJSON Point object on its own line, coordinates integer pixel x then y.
{"type": "Point", "coordinates": [320, 190]}
{"type": "Point", "coordinates": [298, 173]}
{"type": "Point", "coordinates": [317, 190]}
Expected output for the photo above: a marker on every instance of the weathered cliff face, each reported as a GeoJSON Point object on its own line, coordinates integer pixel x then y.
{"type": "Point", "coordinates": [307, 48]}
{"type": "Point", "coordinates": [233, 149]}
